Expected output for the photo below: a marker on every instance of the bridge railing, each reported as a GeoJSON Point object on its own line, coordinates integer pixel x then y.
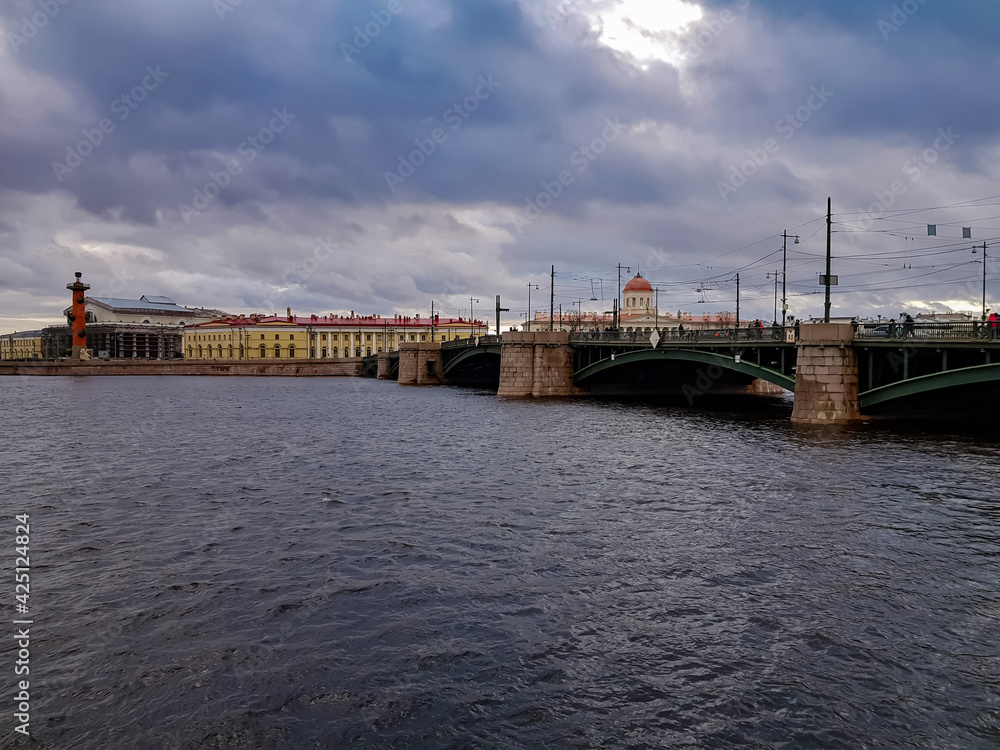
{"type": "Point", "coordinates": [672, 335]}
{"type": "Point", "coordinates": [970, 331]}
{"type": "Point", "coordinates": [467, 342]}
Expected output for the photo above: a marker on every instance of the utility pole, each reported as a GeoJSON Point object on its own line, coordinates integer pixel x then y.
{"type": "Point", "coordinates": [500, 310]}
{"type": "Point", "coordinates": [775, 318]}
{"type": "Point", "coordinates": [784, 274]}
{"type": "Point", "coordinates": [984, 281]}
{"type": "Point", "coordinates": [829, 225]}
{"type": "Point", "coordinates": [656, 308]}
{"type": "Point", "coordinates": [432, 320]}
{"type": "Point", "coordinates": [527, 317]}
{"type": "Point", "coordinates": [472, 317]}
{"type": "Point", "coordinates": [975, 247]}
{"type": "Point", "coordinates": [737, 302]}
{"type": "Point", "coordinates": [552, 300]}
{"type": "Point", "coordinates": [560, 316]}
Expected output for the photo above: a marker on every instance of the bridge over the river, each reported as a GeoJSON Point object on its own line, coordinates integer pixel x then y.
{"type": "Point", "coordinates": [838, 372]}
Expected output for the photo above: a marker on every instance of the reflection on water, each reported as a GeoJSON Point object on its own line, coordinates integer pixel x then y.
{"type": "Point", "coordinates": [224, 563]}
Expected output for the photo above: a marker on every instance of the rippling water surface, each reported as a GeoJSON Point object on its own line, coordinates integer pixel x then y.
{"type": "Point", "coordinates": [313, 563]}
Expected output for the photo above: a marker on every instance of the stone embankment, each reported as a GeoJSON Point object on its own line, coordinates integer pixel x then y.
{"type": "Point", "coordinates": [286, 368]}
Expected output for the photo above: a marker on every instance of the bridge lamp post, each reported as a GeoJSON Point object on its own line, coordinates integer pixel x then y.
{"type": "Point", "coordinates": [527, 318]}
{"type": "Point", "coordinates": [472, 317]}
{"type": "Point", "coordinates": [784, 271]}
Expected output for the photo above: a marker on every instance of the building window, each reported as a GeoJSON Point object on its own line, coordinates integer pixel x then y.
{"type": "Point", "coordinates": [199, 351]}
{"type": "Point", "coordinates": [291, 335]}
{"type": "Point", "coordinates": [230, 351]}
{"type": "Point", "coordinates": [263, 350]}
{"type": "Point", "coordinates": [324, 352]}
{"type": "Point", "coordinates": [190, 351]}
{"type": "Point", "coordinates": [368, 337]}
{"type": "Point", "coordinates": [241, 351]}
{"type": "Point", "coordinates": [291, 351]}
{"type": "Point", "coordinates": [262, 337]}
{"type": "Point", "coordinates": [277, 336]}
{"type": "Point", "coordinates": [277, 351]}
{"type": "Point", "coordinates": [357, 351]}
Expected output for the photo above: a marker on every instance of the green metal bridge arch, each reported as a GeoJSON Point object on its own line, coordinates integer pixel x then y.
{"type": "Point", "coordinates": [725, 361]}
{"type": "Point", "coordinates": [467, 355]}
{"type": "Point", "coordinates": [927, 383]}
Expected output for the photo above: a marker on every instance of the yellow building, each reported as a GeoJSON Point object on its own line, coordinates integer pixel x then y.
{"type": "Point", "coordinates": [315, 337]}
{"type": "Point", "coordinates": [23, 345]}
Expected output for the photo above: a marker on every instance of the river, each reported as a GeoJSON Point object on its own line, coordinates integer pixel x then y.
{"type": "Point", "coordinates": [324, 562]}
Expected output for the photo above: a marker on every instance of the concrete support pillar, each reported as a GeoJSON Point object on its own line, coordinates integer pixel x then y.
{"type": "Point", "coordinates": [420, 363]}
{"type": "Point", "coordinates": [536, 364]}
{"type": "Point", "coordinates": [826, 375]}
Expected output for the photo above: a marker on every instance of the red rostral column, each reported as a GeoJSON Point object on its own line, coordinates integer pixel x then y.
{"type": "Point", "coordinates": [78, 315]}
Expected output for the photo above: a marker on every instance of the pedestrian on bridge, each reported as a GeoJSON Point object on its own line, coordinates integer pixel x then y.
{"type": "Point", "coordinates": [994, 321]}
{"type": "Point", "coordinates": [907, 326]}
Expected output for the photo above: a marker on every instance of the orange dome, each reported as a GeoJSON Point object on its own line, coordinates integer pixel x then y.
{"type": "Point", "coordinates": [638, 284]}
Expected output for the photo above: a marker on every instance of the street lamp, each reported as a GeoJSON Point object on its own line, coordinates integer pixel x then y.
{"type": "Point", "coordinates": [527, 318]}
{"type": "Point", "coordinates": [472, 317]}
{"type": "Point", "coordinates": [784, 273]}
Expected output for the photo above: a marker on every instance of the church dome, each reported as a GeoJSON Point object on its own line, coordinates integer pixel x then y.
{"type": "Point", "coordinates": [638, 284]}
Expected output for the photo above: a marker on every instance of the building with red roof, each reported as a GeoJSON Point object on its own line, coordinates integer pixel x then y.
{"type": "Point", "coordinates": [317, 337]}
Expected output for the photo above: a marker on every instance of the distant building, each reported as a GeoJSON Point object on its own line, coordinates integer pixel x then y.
{"type": "Point", "coordinates": [316, 337]}
{"type": "Point", "coordinates": [638, 313]}
{"type": "Point", "coordinates": [21, 345]}
{"type": "Point", "coordinates": [151, 327]}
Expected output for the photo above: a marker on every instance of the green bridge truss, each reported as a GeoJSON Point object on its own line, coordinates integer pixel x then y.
{"type": "Point", "coordinates": [725, 361]}
{"type": "Point", "coordinates": [927, 383]}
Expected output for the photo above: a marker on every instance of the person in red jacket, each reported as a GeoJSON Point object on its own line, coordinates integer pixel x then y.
{"type": "Point", "coordinates": [994, 320]}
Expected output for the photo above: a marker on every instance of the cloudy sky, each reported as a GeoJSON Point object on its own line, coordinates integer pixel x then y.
{"type": "Point", "coordinates": [374, 156]}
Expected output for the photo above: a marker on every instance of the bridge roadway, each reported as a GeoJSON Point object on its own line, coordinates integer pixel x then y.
{"type": "Point", "coordinates": [837, 371]}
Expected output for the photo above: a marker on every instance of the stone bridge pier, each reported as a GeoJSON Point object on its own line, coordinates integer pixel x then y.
{"type": "Point", "coordinates": [536, 363]}
{"type": "Point", "coordinates": [420, 363]}
{"type": "Point", "coordinates": [826, 375]}
{"type": "Point", "coordinates": [384, 371]}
